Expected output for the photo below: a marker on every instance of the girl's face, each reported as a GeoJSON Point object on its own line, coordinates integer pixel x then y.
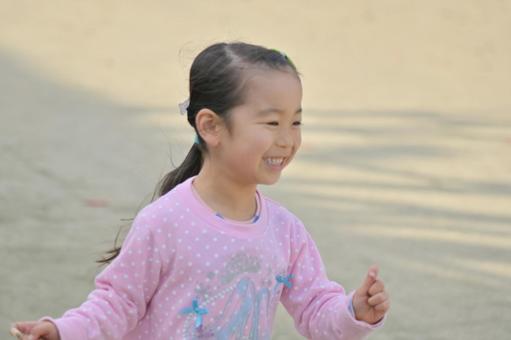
{"type": "Point", "coordinates": [265, 130]}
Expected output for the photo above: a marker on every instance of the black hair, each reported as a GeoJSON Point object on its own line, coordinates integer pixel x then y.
{"type": "Point", "coordinates": [217, 82]}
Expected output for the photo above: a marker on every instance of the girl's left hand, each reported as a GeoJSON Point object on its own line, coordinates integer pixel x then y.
{"type": "Point", "coordinates": [371, 301]}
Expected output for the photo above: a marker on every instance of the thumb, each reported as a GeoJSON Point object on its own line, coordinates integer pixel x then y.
{"type": "Point", "coordinates": [24, 327]}
{"type": "Point", "coordinates": [372, 275]}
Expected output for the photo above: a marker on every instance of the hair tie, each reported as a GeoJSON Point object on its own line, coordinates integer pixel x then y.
{"type": "Point", "coordinates": [183, 109]}
{"type": "Point", "coordinates": [183, 106]}
{"type": "Point", "coordinates": [284, 56]}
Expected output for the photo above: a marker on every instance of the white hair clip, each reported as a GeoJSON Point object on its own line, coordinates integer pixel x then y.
{"type": "Point", "coordinates": [184, 106]}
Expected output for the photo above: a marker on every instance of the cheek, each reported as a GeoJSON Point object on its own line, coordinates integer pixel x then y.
{"type": "Point", "coordinates": [252, 149]}
{"type": "Point", "coordinates": [298, 139]}
{"type": "Point", "coordinates": [258, 142]}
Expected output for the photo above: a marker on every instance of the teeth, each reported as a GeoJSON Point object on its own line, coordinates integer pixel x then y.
{"type": "Point", "coordinates": [274, 161]}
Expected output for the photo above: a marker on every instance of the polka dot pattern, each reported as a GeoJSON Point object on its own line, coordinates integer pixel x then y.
{"type": "Point", "coordinates": [178, 251]}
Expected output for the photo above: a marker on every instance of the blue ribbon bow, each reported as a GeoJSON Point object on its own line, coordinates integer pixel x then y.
{"type": "Point", "coordinates": [284, 280]}
{"type": "Point", "coordinates": [195, 309]}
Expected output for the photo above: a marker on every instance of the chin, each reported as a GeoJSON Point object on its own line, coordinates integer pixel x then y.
{"type": "Point", "coordinates": [269, 181]}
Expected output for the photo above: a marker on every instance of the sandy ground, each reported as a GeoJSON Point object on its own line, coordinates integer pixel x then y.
{"type": "Point", "coordinates": [406, 159]}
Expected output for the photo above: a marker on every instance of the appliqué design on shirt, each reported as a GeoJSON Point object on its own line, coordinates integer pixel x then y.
{"type": "Point", "coordinates": [244, 303]}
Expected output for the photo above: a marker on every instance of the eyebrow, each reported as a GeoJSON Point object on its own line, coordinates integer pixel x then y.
{"type": "Point", "coordinates": [273, 109]}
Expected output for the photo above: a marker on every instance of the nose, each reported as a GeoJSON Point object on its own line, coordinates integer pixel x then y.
{"type": "Point", "coordinates": [285, 138]}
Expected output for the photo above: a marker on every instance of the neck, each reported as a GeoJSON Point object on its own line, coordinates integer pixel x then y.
{"type": "Point", "coordinates": [225, 195]}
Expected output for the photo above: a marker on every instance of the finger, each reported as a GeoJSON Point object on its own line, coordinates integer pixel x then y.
{"type": "Point", "coordinates": [372, 274]}
{"type": "Point", "coordinates": [25, 326]}
{"type": "Point", "coordinates": [15, 332]}
{"type": "Point", "coordinates": [377, 287]}
{"type": "Point", "coordinates": [383, 307]}
{"type": "Point", "coordinates": [377, 299]}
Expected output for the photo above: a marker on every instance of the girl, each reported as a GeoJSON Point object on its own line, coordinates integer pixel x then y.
{"type": "Point", "coordinates": [211, 257]}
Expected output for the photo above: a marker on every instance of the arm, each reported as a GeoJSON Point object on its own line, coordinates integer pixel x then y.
{"type": "Point", "coordinates": [319, 307]}
{"type": "Point", "coordinates": [123, 289]}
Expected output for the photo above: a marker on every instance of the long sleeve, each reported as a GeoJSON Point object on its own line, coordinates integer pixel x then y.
{"type": "Point", "coordinates": [319, 307]}
{"type": "Point", "coordinates": [122, 290]}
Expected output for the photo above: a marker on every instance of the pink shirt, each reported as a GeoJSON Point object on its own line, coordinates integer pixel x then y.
{"type": "Point", "coordinates": [186, 273]}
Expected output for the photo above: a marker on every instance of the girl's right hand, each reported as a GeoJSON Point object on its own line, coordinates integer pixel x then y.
{"type": "Point", "coordinates": [38, 330]}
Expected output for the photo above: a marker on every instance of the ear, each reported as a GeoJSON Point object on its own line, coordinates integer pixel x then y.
{"type": "Point", "coordinates": [209, 125]}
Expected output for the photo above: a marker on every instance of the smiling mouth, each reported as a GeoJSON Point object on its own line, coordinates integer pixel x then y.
{"type": "Point", "coordinates": [275, 161]}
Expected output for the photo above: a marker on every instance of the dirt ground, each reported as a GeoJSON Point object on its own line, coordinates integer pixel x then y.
{"type": "Point", "coordinates": [406, 156]}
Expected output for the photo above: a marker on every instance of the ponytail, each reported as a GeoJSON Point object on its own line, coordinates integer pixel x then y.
{"type": "Point", "coordinates": [190, 167]}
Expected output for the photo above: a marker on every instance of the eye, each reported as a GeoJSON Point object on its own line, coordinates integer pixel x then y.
{"type": "Point", "coordinates": [297, 123]}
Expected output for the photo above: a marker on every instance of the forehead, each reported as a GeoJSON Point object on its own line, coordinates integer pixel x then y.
{"type": "Point", "coordinates": [273, 89]}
